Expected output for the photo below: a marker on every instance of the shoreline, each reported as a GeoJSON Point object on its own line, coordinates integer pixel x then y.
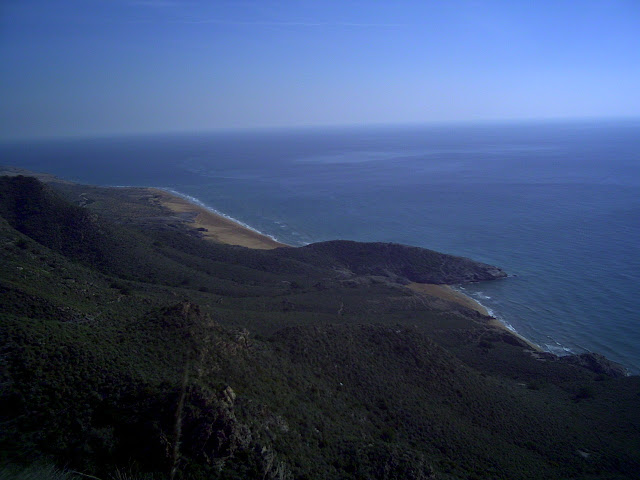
{"type": "Point", "coordinates": [451, 294]}
{"type": "Point", "coordinates": [448, 293]}
{"type": "Point", "coordinates": [220, 228]}
{"type": "Point", "coordinates": [211, 224]}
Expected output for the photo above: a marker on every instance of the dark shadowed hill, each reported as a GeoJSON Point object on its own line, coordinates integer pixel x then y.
{"type": "Point", "coordinates": [402, 262]}
{"type": "Point", "coordinates": [150, 353]}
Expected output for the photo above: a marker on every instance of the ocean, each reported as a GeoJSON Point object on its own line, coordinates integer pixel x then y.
{"type": "Point", "coordinates": [555, 204]}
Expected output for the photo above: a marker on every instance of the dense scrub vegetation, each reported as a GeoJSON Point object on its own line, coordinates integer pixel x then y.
{"type": "Point", "coordinates": [130, 348]}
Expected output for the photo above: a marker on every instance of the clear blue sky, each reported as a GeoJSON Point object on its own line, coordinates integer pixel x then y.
{"type": "Point", "coordinates": [110, 66]}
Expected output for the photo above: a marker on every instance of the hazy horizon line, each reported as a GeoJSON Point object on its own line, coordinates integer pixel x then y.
{"type": "Point", "coordinates": [330, 126]}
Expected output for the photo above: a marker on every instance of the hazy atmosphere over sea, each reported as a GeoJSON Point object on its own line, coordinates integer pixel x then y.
{"type": "Point", "coordinates": [554, 204]}
{"type": "Point", "coordinates": [129, 66]}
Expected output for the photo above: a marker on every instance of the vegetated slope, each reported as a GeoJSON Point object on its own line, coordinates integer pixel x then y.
{"type": "Point", "coordinates": [214, 361]}
{"type": "Point", "coordinates": [167, 257]}
{"type": "Point", "coordinates": [35, 210]}
{"type": "Point", "coordinates": [403, 263]}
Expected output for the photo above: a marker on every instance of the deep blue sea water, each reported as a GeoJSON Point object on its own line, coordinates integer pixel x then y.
{"type": "Point", "coordinates": [557, 205]}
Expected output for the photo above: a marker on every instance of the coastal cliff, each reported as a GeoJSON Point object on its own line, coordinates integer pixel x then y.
{"type": "Point", "coordinates": [132, 342]}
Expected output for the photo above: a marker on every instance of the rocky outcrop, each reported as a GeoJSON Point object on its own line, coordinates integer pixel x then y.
{"type": "Point", "coordinates": [596, 363]}
{"type": "Point", "coordinates": [401, 263]}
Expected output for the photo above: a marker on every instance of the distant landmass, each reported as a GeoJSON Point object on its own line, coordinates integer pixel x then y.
{"type": "Point", "coordinates": [140, 333]}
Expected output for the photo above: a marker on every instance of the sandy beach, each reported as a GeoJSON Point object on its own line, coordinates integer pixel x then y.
{"type": "Point", "coordinates": [446, 292]}
{"type": "Point", "coordinates": [212, 226]}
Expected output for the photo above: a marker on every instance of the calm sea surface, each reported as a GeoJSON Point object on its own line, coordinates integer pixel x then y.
{"type": "Point", "coordinates": [557, 205]}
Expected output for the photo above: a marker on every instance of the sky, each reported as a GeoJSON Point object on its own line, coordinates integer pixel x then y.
{"type": "Point", "coordinates": [101, 67]}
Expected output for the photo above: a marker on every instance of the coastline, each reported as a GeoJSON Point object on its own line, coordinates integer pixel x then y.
{"type": "Point", "coordinates": [216, 227]}
{"type": "Point", "coordinates": [212, 225]}
{"type": "Point", "coordinates": [450, 294]}
{"type": "Point", "coordinates": [447, 292]}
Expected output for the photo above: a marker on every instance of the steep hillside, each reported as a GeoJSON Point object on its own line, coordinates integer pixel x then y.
{"type": "Point", "coordinates": [138, 347]}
